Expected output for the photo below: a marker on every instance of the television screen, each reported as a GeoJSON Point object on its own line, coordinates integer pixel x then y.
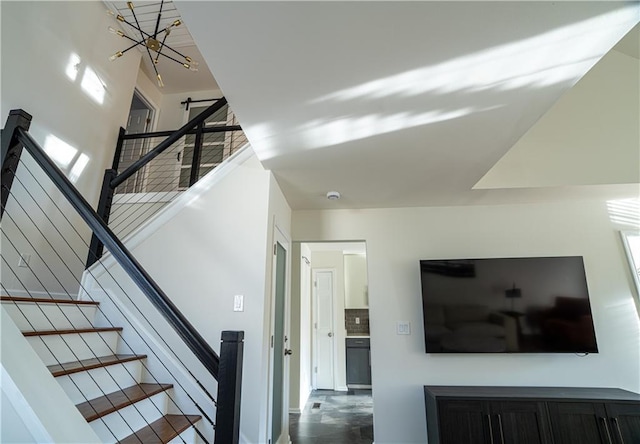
{"type": "Point", "coordinates": [507, 305]}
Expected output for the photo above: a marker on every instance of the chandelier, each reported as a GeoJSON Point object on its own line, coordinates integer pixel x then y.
{"type": "Point", "coordinates": [153, 42]}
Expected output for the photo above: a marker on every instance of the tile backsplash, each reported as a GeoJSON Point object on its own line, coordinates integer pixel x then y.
{"type": "Point", "coordinates": [350, 315]}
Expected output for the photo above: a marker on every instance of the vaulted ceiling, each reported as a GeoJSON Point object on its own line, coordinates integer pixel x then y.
{"type": "Point", "coordinates": [430, 103]}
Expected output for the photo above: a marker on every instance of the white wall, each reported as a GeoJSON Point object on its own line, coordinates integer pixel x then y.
{"type": "Point", "coordinates": [306, 326]}
{"type": "Point", "coordinates": [38, 41]}
{"type": "Point", "coordinates": [335, 260]}
{"type": "Point", "coordinates": [300, 376]}
{"type": "Point", "coordinates": [173, 113]}
{"type": "Point", "coordinates": [218, 246]}
{"type": "Point", "coordinates": [398, 238]}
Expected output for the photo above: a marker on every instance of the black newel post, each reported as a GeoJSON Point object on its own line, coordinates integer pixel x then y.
{"type": "Point", "coordinates": [96, 247]}
{"type": "Point", "coordinates": [229, 388]}
{"type": "Point", "coordinates": [197, 155]}
{"type": "Point", "coordinates": [11, 150]}
{"type": "Point", "coordinates": [104, 210]}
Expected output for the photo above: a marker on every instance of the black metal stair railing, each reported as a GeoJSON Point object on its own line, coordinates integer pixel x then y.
{"type": "Point", "coordinates": [149, 169]}
{"type": "Point", "coordinates": [226, 368]}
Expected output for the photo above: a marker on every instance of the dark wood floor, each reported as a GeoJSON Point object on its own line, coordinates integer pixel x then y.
{"type": "Point", "coordinates": [334, 418]}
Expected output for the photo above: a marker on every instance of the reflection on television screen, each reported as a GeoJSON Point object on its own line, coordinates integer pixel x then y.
{"type": "Point", "coordinates": [507, 305]}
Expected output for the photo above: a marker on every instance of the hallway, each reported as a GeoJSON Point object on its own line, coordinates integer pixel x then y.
{"type": "Point", "coordinates": [334, 418]}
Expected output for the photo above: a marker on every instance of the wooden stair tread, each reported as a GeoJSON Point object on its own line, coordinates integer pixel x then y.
{"type": "Point", "coordinates": [46, 300]}
{"type": "Point", "coordinates": [89, 364]}
{"type": "Point", "coordinates": [72, 331]}
{"type": "Point", "coordinates": [109, 403]}
{"type": "Point", "coordinates": [163, 430]}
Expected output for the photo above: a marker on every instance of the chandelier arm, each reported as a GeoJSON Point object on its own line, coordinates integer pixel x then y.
{"type": "Point", "coordinates": [161, 46]}
{"type": "Point", "coordinates": [154, 67]}
{"type": "Point", "coordinates": [171, 58]}
{"type": "Point", "coordinates": [132, 46]}
{"type": "Point", "coordinates": [155, 33]}
{"type": "Point", "coordinates": [145, 34]}
{"type": "Point", "coordinates": [138, 42]}
{"type": "Point", "coordinates": [177, 52]}
{"type": "Point", "coordinates": [142, 33]}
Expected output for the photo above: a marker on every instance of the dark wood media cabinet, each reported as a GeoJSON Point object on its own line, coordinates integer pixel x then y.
{"type": "Point", "coordinates": [531, 415]}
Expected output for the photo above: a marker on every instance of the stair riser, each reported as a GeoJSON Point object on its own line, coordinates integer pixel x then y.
{"type": "Point", "coordinates": [54, 349]}
{"type": "Point", "coordinates": [97, 382]}
{"type": "Point", "coordinates": [189, 436]}
{"type": "Point", "coordinates": [50, 316]}
{"type": "Point", "coordinates": [133, 417]}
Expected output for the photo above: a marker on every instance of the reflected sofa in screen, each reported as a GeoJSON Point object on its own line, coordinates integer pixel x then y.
{"type": "Point", "coordinates": [469, 328]}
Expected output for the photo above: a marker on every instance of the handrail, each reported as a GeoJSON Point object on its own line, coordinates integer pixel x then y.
{"type": "Point", "coordinates": [196, 343]}
{"type": "Point", "coordinates": [162, 146]}
{"type": "Point", "coordinates": [212, 129]}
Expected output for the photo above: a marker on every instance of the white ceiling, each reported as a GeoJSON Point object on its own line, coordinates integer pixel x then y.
{"type": "Point", "coordinates": [401, 103]}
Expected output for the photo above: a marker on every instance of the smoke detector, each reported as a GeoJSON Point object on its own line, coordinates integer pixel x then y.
{"type": "Point", "coordinates": [333, 195]}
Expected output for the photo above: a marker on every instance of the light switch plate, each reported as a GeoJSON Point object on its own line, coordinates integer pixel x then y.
{"type": "Point", "coordinates": [238, 302]}
{"type": "Point", "coordinates": [403, 328]}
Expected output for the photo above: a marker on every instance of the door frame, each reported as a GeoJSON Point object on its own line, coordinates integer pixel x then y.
{"type": "Point", "coordinates": [155, 115]}
{"type": "Point", "coordinates": [314, 333]}
{"type": "Point", "coordinates": [279, 237]}
{"type": "Point", "coordinates": [153, 122]}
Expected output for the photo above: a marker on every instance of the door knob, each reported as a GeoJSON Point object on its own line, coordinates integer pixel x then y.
{"type": "Point", "coordinates": [330, 335]}
{"type": "Point", "coordinates": [288, 351]}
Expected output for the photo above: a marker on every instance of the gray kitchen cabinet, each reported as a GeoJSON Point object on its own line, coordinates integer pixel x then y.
{"type": "Point", "coordinates": [358, 362]}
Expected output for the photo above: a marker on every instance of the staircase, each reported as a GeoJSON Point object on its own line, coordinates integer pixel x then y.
{"type": "Point", "coordinates": [113, 392]}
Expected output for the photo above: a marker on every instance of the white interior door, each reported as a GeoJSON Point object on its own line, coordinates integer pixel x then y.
{"type": "Point", "coordinates": [279, 381]}
{"type": "Point", "coordinates": [132, 150]}
{"type": "Point", "coordinates": [324, 288]}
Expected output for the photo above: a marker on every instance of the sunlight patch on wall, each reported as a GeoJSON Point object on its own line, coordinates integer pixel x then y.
{"type": "Point", "coordinates": [73, 67]}
{"type": "Point", "coordinates": [78, 167]}
{"type": "Point", "coordinates": [532, 62]}
{"type": "Point", "coordinates": [60, 151]}
{"type": "Point", "coordinates": [93, 86]}
{"type": "Point", "coordinates": [625, 212]}
{"type": "Point", "coordinates": [66, 157]}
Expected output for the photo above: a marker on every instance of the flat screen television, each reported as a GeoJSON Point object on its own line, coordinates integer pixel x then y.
{"type": "Point", "coordinates": [507, 305]}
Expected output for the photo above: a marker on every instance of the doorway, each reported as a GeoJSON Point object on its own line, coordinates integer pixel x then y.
{"type": "Point", "coordinates": [140, 120]}
{"type": "Point", "coordinates": [329, 300]}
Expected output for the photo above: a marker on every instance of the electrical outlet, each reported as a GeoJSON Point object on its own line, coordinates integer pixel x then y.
{"type": "Point", "coordinates": [24, 260]}
{"type": "Point", "coordinates": [357, 320]}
